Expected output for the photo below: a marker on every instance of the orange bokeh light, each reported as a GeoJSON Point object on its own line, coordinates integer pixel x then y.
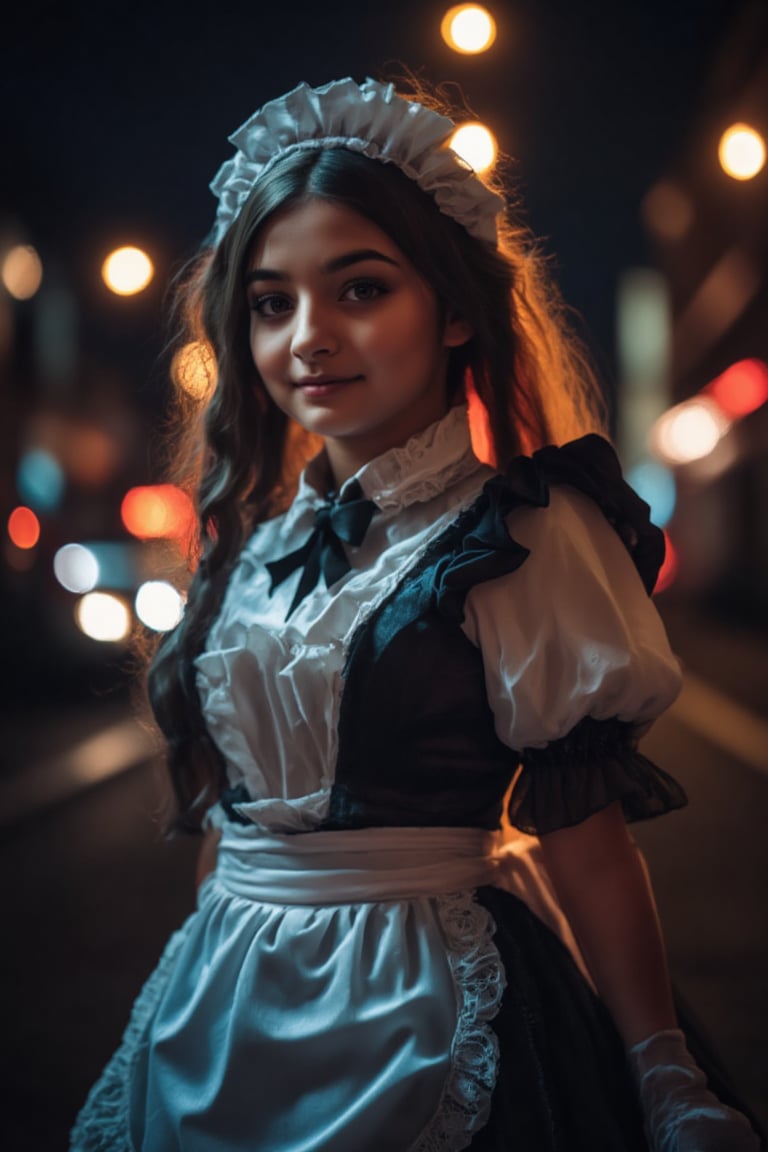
{"type": "Point", "coordinates": [668, 570]}
{"type": "Point", "coordinates": [742, 388]}
{"type": "Point", "coordinates": [23, 527]}
{"type": "Point", "coordinates": [158, 511]}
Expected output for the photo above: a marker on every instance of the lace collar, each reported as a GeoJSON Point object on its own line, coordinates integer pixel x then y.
{"type": "Point", "coordinates": [426, 465]}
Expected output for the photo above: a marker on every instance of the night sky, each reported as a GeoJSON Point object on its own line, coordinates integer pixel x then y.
{"type": "Point", "coordinates": [117, 117]}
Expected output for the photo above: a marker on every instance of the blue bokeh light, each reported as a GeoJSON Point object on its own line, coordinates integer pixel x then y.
{"type": "Point", "coordinates": [40, 480]}
{"type": "Point", "coordinates": [656, 485]}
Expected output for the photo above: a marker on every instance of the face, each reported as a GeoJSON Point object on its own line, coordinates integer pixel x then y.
{"type": "Point", "coordinates": [345, 334]}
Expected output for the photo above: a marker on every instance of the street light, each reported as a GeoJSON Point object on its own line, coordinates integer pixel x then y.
{"type": "Point", "coordinates": [468, 28]}
{"type": "Point", "coordinates": [476, 144]}
{"type": "Point", "coordinates": [127, 271]}
{"type": "Point", "coordinates": [741, 152]}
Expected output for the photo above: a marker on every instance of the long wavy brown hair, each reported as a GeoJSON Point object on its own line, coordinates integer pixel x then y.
{"type": "Point", "coordinates": [239, 456]}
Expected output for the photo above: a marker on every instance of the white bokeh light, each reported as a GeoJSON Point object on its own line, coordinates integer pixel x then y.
{"type": "Point", "coordinates": [689, 431]}
{"type": "Point", "coordinates": [476, 144]}
{"type": "Point", "coordinates": [159, 605]}
{"type": "Point", "coordinates": [103, 617]}
{"type": "Point", "coordinates": [741, 152]}
{"type": "Point", "coordinates": [127, 271]}
{"type": "Point", "coordinates": [468, 28]}
{"type": "Point", "coordinates": [76, 568]}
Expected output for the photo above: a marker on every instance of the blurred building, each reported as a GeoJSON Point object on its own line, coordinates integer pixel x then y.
{"type": "Point", "coordinates": [709, 236]}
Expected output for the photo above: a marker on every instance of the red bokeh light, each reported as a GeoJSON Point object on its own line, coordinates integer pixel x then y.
{"type": "Point", "coordinates": [742, 388]}
{"type": "Point", "coordinates": [23, 527]}
{"type": "Point", "coordinates": [158, 511]}
{"type": "Point", "coordinates": [668, 570]}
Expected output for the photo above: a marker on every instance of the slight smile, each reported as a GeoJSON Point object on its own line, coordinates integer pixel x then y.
{"type": "Point", "coordinates": [311, 381]}
{"type": "Point", "coordinates": [317, 385]}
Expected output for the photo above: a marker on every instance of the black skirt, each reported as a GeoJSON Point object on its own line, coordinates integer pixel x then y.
{"type": "Point", "coordinates": [563, 1082]}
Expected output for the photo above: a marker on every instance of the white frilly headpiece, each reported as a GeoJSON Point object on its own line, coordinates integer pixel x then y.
{"type": "Point", "coordinates": [369, 118]}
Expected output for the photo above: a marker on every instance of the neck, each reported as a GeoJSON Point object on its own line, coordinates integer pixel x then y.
{"type": "Point", "coordinates": [342, 464]}
{"type": "Point", "coordinates": [348, 454]}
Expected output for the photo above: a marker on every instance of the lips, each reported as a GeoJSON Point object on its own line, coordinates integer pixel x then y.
{"type": "Point", "coordinates": [325, 381]}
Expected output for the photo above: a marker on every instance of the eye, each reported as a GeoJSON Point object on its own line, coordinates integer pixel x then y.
{"type": "Point", "coordinates": [270, 305]}
{"type": "Point", "coordinates": [362, 291]}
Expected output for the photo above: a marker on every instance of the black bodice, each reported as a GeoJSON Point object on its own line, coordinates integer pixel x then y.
{"type": "Point", "coordinates": [417, 744]}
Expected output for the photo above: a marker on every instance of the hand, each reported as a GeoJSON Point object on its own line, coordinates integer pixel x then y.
{"type": "Point", "coordinates": [681, 1114]}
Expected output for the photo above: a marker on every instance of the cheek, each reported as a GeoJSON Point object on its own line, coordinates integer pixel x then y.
{"type": "Point", "coordinates": [411, 338]}
{"type": "Point", "coordinates": [418, 342]}
{"type": "Point", "coordinates": [253, 344]}
{"type": "Point", "coordinates": [263, 352]}
{"type": "Point", "coordinates": [272, 390]}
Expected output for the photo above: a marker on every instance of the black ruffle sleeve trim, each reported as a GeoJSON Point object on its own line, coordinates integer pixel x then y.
{"type": "Point", "coordinates": [595, 764]}
{"type": "Point", "coordinates": [589, 465]}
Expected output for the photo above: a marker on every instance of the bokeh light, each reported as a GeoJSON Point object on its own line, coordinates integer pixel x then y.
{"type": "Point", "coordinates": [468, 28]}
{"type": "Point", "coordinates": [667, 210]}
{"type": "Point", "coordinates": [76, 568]}
{"type": "Point", "coordinates": [669, 569]}
{"type": "Point", "coordinates": [742, 388]}
{"type": "Point", "coordinates": [40, 480]}
{"type": "Point", "coordinates": [22, 272]}
{"type": "Point", "coordinates": [23, 527]}
{"type": "Point", "coordinates": [656, 485]}
{"type": "Point", "coordinates": [741, 152]}
{"type": "Point", "coordinates": [476, 145]}
{"type": "Point", "coordinates": [91, 454]}
{"type": "Point", "coordinates": [158, 511]}
{"type": "Point", "coordinates": [127, 271]}
{"type": "Point", "coordinates": [193, 369]}
{"type": "Point", "coordinates": [159, 605]}
{"type": "Point", "coordinates": [102, 616]}
{"type": "Point", "coordinates": [689, 431]}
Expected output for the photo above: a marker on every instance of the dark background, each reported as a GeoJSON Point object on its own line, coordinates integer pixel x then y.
{"type": "Point", "coordinates": [115, 119]}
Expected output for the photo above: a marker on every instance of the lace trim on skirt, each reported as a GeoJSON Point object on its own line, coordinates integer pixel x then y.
{"type": "Point", "coordinates": [479, 981]}
{"type": "Point", "coordinates": [102, 1124]}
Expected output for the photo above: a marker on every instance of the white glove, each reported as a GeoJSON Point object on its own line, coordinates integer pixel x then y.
{"type": "Point", "coordinates": [681, 1114]}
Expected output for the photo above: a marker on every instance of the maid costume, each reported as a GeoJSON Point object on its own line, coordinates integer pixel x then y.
{"type": "Point", "coordinates": [379, 962]}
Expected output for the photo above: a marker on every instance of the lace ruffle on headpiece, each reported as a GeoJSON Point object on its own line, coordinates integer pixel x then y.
{"type": "Point", "coordinates": [369, 118]}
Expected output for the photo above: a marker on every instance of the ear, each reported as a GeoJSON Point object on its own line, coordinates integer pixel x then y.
{"type": "Point", "coordinates": [456, 332]}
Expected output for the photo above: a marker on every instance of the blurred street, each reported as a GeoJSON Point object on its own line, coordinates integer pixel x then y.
{"type": "Point", "coordinates": [91, 890]}
{"type": "Point", "coordinates": [635, 137]}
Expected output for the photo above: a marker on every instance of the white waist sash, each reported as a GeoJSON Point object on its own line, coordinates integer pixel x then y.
{"type": "Point", "coordinates": [367, 865]}
{"type": "Point", "coordinates": [359, 865]}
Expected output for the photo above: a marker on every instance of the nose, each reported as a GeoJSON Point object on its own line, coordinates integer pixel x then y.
{"type": "Point", "coordinates": [314, 333]}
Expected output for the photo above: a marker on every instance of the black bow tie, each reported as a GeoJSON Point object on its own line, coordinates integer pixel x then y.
{"type": "Point", "coordinates": [336, 523]}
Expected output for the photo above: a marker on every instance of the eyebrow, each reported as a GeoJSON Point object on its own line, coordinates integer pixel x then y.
{"type": "Point", "coordinates": [335, 265]}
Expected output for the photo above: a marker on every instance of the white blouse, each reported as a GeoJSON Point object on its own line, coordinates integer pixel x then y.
{"type": "Point", "coordinates": [571, 633]}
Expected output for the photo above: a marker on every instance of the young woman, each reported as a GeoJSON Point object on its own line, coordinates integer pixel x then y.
{"type": "Point", "coordinates": [405, 698]}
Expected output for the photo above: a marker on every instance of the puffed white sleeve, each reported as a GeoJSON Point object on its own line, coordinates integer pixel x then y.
{"type": "Point", "coordinates": [577, 664]}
